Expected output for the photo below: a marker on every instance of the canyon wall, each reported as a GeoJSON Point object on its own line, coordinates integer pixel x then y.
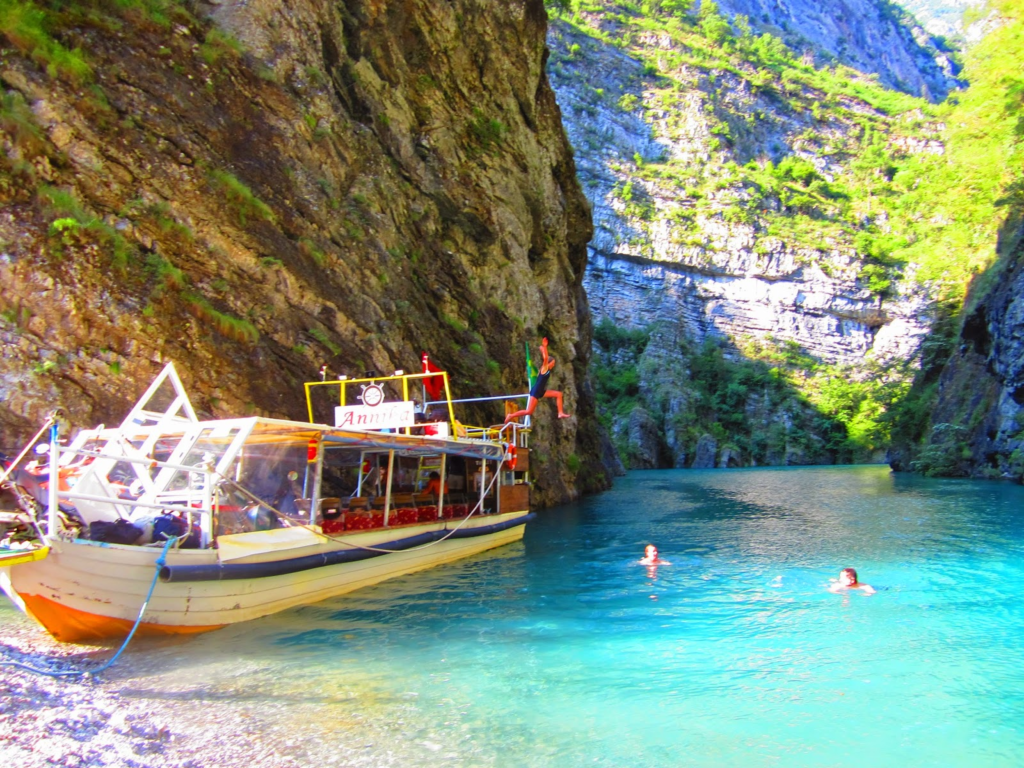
{"type": "Point", "coordinates": [873, 36]}
{"type": "Point", "coordinates": [664, 133]}
{"type": "Point", "coordinates": [976, 427]}
{"type": "Point", "coordinates": [254, 190]}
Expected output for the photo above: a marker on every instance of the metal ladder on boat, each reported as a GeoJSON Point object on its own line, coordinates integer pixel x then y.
{"type": "Point", "coordinates": [433, 462]}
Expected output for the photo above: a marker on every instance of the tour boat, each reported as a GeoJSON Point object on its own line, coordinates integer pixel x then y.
{"type": "Point", "coordinates": [262, 514]}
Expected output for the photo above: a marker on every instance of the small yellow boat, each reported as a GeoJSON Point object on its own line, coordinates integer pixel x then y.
{"type": "Point", "coordinates": [19, 556]}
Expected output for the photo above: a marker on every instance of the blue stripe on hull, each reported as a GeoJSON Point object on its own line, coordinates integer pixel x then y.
{"type": "Point", "coordinates": [229, 571]}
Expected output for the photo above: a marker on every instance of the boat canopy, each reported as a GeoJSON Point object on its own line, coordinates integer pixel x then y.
{"type": "Point", "coordinates": [260, 430]}
{"type": "Point", "coordinates": [164, 458]}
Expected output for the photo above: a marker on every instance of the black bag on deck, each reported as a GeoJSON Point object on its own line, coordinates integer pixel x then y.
{"type": "Point", "coordinates": [168, 525]}
{"type": "Point", "coordinates": [118, 532]}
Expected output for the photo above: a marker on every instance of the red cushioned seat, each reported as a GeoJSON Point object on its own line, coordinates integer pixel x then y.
{"type": "Point", "coordinates": [357, 521]}
{"type": "Point", "coordinates": [427, 514]}
{"type": "Point", "coordinates": [404, 516]}
{"type": "Point", "coordinates": [334, 526]}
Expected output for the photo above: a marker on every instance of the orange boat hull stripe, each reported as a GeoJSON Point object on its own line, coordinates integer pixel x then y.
{"type": "Point", "coordinates": [70, 625]}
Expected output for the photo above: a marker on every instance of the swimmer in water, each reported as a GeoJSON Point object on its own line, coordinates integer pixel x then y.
{"type": "Point", "coordinates": [848, 580]}
{"type": "Point", "coordinates": [651, 556]}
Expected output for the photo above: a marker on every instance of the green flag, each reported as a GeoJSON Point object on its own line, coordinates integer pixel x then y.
{"type": "Point", "coordinates": [531, 369]}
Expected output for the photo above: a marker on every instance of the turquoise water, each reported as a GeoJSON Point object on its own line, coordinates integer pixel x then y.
{"type": "Point", "coordinates": [563, 649]}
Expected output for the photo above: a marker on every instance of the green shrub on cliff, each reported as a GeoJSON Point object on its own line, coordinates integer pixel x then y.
{"type": "Point", "coordinates": [933, 179]}
{"type": "Point", "coordinates": [224, 323]}
{"type": "Point", "coordinates": [242, 200]}
{"type": "Point", "coordinates": [770, 401]}
{"type": "Point", "coordinates": [957, 201]}
{"type": "Point", "coordinates": [752, 400]}
{"type": "Point", "coordinates": [946, 454]}
{"type": "Point", "coordinates": [614, 367]}
{"type": "Point", "coordinates": [30, 28]}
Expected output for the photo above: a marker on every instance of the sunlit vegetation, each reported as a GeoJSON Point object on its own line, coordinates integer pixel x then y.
{"type": "Point", "coordinates": [858, 399]}
{"type": "Point", "coordinates": [956, 202]}
{"type": "Point", "coordinates": [320, 335]}
{"type": "Point", "coordinates": [822, 160]}
{"type": "Point", "coordinates": [616, 378]}
{"type": "Point", "coordinates": [218, 47]}
{"type": "Point", "coordinates": [769, 401]}
{"type": "Point", "coordinates": [168, 276]}
{"type": "Point", "coordinates": [912, 188]}
{"type": "Point", "coordinates": [30, 29]}
{"type": "Point", "coordinates": [37, 29]}
{"type": "Point", "coordinates": [486, 132]}
{"type": "Point", "coordinates": [753, 405]}
{"type": "Point", "coordinates": [72, 222]}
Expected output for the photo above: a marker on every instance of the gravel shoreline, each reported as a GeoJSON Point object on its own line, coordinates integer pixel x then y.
{"type": "Point", "coordinates": [119, 720]}
{"type": "Point", "coordinates": [72, 721]}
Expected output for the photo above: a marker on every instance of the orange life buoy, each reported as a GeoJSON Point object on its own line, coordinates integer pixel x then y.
{"type": "Point", "coordinates": [510, 458]}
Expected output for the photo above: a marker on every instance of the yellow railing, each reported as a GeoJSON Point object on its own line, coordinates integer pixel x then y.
{"type": "Point", "coordinates": [404, 379]}
{"type": "Point", "coordinates": [496, 433]}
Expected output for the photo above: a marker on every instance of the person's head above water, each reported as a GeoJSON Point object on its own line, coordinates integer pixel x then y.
{"type": "Point", "coordinates": [651, 556]}
{"type": "Point", "coordinates": [848, 580]}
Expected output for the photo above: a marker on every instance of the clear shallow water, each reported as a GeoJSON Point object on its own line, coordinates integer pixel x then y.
{"type": "Point", "coordinates": [563, 649]}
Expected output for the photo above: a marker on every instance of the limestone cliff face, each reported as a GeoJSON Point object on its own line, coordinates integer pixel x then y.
{"type": "Point", "coordinates": [744, 297]}
{"type": "Point", "coordinates": [977, 426]}
{"type": "Point", "coordinates": [254, 189]}
{"type": "Point", "coordinates": [679, 240]}
{"type": "Point", "coordinates": [868, 35]}
{"type": "Point", "coordinates": [729, 277]}
{"type": "Point", "coordinates": [942, 17]}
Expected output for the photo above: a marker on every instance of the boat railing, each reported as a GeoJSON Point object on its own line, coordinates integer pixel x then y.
{"type": "Point", "coordinates": [404, 381]}
{"type": "Point", "coordinates": [513, 432]}
{"type": "Point", "coordinates": [100, 496]}
{"type": "Point", "coordinates": [85, 474]}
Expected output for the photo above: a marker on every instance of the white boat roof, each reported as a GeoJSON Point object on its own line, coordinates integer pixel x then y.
{"type": "Point", "coordinates": [164, 413]}
{"type": "Point", "coordinates": [260, 430]}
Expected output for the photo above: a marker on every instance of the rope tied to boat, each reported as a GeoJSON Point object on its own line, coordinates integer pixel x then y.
{"type": "Point", "coordinates": [160, 562]}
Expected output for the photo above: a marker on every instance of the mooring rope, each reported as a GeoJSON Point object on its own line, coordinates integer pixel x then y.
{"type": "Point", "coordinates": [161, 561]}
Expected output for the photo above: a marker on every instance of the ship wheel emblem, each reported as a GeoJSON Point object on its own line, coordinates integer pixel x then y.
{"type": "Point", "coordinates": [373, 394]}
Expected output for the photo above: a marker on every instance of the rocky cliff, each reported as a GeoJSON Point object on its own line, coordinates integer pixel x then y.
{"type": "Point", "coordinates": [739, 197]}
{"type": "Point", "coordinates": [977, 423]}
{"type": "Point", "coordinates": [873, 36]}
{"type": "Point", "coordinates": [942, 17]}
{"type": "Point", "coordinates": [253, 190]}
{"type": "Point", "coordinates": [963, 416]}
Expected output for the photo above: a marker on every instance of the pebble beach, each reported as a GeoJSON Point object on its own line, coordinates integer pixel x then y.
{"type": "Point", "coordinates": [107, 720]}
{"type": "Point", "coordinates": [123, 718]}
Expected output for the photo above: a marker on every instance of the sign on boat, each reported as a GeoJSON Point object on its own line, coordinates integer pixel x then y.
{"type": "Point", "coordinates": [264, 514]}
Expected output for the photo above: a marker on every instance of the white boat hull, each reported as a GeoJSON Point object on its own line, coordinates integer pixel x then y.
{"type": "Point", "coordinates": [87, 590]}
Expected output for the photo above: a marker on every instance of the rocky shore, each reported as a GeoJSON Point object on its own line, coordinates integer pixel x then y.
{"type": "Point", "coordinates": [128, 718]}
{"type": "Point", "coordinates": [47, 721]}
